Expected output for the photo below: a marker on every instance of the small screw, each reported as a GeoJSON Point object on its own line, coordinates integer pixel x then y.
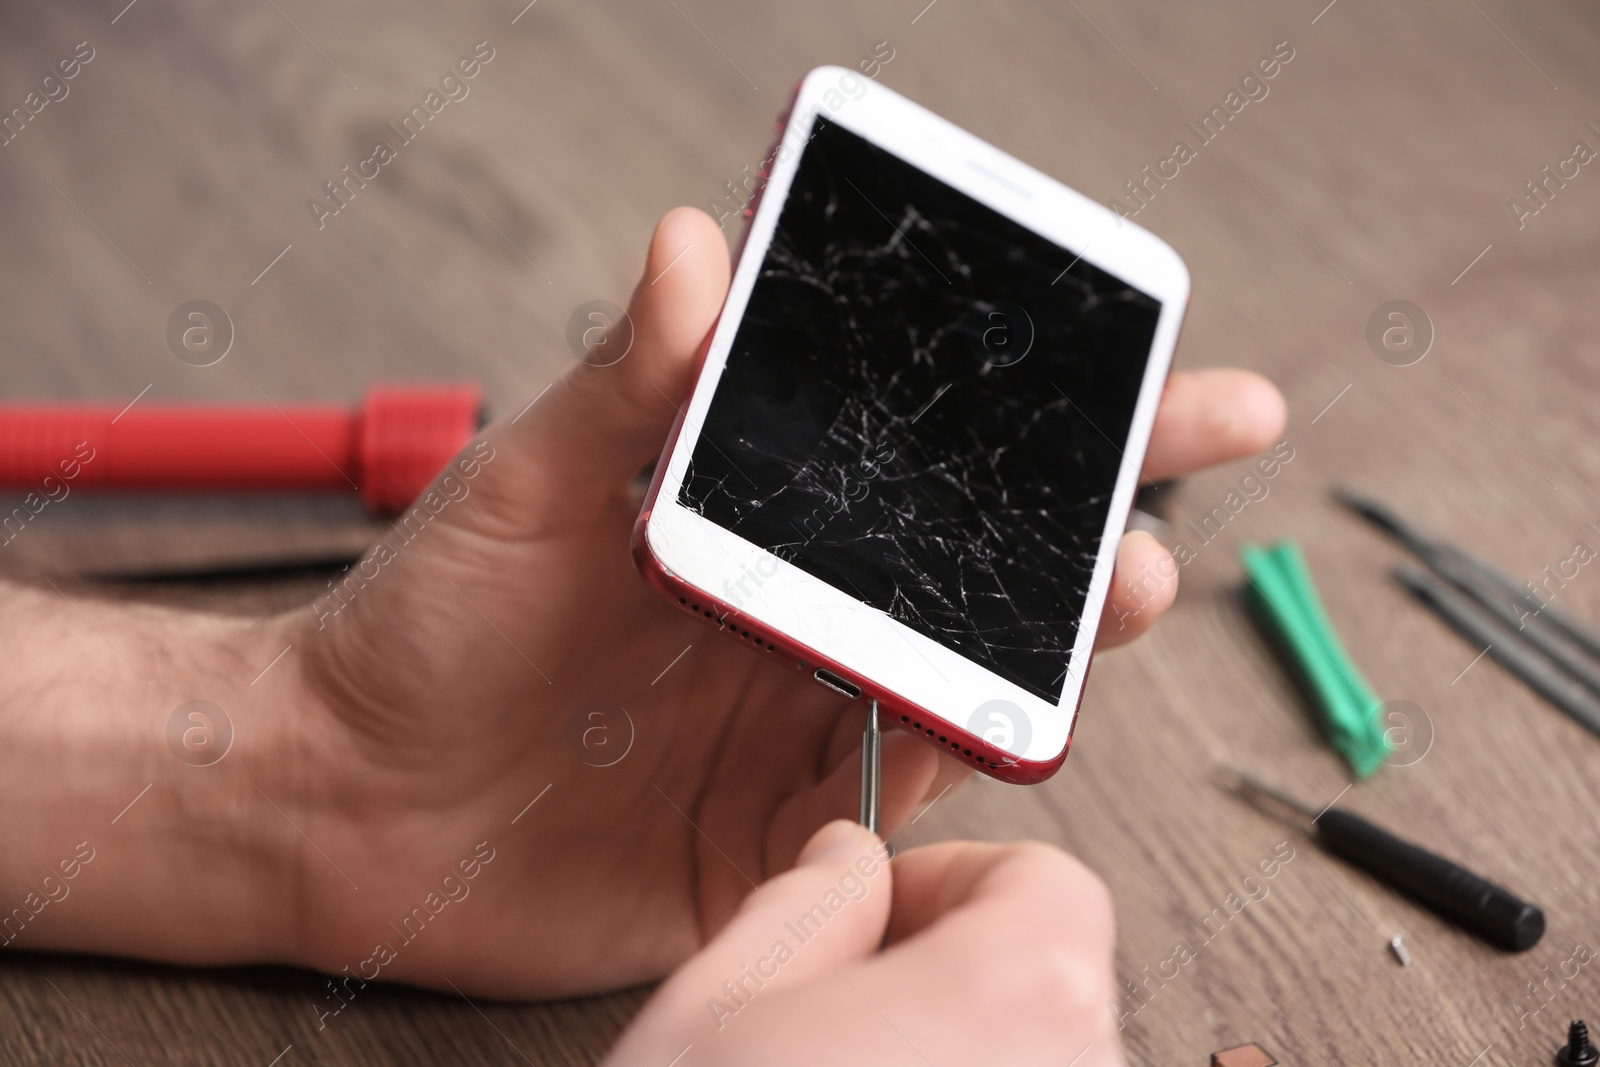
{"type": "Point", "coordinates": [1399, 950]}
{"type": "Point", "coordinates": [1577, 1052]}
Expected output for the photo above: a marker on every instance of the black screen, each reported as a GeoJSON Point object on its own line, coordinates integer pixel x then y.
{"type": "Point", "coordinates": [924, 407]}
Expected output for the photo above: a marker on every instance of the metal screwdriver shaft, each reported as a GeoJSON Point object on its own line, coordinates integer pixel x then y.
{"type": "Point", "coordinates": [871, 769]}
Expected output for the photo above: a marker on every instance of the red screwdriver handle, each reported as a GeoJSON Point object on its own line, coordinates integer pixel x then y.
{"type": "Point", "coordinates": [407, 435]}
{"type": "Point", "coordinates": [388, 449]}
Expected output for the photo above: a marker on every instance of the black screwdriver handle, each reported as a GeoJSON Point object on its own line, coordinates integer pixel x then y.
{"type": "Point", "coordinates": [1448, 890]}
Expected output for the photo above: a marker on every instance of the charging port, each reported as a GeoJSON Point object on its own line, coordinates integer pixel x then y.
{"type": "Point", "coordinates": [836, 683]}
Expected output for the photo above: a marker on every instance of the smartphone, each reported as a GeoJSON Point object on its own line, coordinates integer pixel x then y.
{"type": "Point", "coordinates": [917, 426]}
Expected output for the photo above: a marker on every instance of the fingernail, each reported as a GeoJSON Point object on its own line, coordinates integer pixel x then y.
{"type": "Point", "coordinates": [838, 840]}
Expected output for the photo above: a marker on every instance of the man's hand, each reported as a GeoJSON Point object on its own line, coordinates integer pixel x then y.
{"type": "Point", "coordinates": [991, 954]}
{"type": "Point", "coordinates": [453, 678]}
{"type": "Point", "coordinates": [434, 709]}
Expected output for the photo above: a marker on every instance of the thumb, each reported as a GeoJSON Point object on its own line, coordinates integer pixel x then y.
{"type": "Point", "coordinates": [828, 912]}
{"type": "Point", "coordinates": [588, 434]}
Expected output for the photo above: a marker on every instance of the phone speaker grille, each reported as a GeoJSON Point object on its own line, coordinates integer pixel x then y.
{"type": "Point", "coordinates": [756, 637]}
{"type": "Point", "coordinates": [980, 756]}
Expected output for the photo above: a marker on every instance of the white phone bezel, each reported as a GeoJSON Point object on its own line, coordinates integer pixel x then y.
{"type": "Point", "coordinates": [862, 640]}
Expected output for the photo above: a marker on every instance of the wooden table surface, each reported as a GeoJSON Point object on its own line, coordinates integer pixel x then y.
{"type": "Point", "coordinates": [1378, 167]}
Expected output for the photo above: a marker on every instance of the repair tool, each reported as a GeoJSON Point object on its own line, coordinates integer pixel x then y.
{"type": "Point", "coordinates": [1283, 598]}
{"type": "Point", "coordinates": [871, 769]}
{"type": "Point", "coordinates": [1448, 890]}
{"type": "Point", "coordinates": [1554, 654]}
{"type": "Point", "coordinates": [228, 570]}
{"type": "Point", "coordinates": [1503, 644]}
{"type": "Point", "coordinates": [1457, 565]}
{"type": "Point", "coordinates": [388, 449]}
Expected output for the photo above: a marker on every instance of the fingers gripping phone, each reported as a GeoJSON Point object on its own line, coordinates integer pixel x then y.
{"type": "Point", "coordinates": [918, 425]}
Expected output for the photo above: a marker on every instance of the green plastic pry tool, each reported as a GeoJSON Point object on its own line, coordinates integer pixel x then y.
{"type": "Point", "coordinates": [1284, 601]}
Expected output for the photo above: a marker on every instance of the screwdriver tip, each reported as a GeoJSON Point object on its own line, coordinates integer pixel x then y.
{"type": "Point", "coordinates": [1263, 797]}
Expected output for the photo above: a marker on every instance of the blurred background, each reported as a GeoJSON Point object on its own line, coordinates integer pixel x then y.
{"type": "Point", "coordinates": [1426, 152]}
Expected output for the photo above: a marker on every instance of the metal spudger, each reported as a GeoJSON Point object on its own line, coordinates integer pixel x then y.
{"type": "Point", "coordinates": [1535, 664]}
{"type": "Point", "coordinates": [1445, 888]}
{"type": "Point", "coordinates": [1472, 574]}
{"type": "Point", "coordinates": [871, 769]}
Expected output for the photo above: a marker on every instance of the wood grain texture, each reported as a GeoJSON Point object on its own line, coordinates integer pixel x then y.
{"type": "Point", "coordinates": [1378, 167]}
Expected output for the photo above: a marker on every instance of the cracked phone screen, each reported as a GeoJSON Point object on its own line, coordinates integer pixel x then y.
{"type": "Point", "coordinates": [925, 406]}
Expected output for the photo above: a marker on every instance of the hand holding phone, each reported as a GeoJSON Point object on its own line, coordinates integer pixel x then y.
{"type": "Point", "coordinates": [463, 676]}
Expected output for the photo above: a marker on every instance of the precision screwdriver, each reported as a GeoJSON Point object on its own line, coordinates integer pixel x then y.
{"type": "Point", "coordinates": [1447, 889]}
{"type": "Point", "coordinates": [1484, 583]}
{"type": "Point", "coordinates": [388, 448]}
{"type": "Point", "coordinates": [871, 769]}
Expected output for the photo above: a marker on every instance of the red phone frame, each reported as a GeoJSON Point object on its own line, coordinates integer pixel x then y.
{"type": "Point", "coordinates": [894, 710]}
